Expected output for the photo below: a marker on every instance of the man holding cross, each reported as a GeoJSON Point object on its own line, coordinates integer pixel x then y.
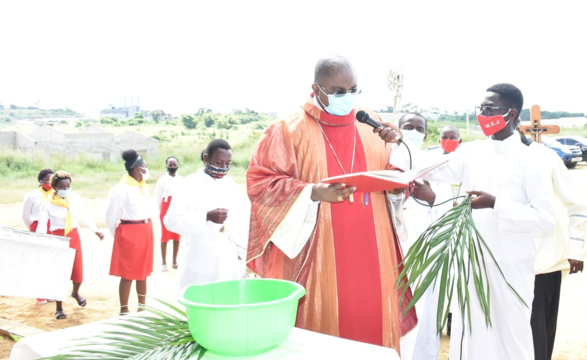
{"type": "Point", "coordinates": [513, 198]}
{"type": "Point", "coordinates": [557, 252]}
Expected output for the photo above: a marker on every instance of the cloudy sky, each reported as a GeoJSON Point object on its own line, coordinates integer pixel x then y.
{"type": "Point", "coordinates": [183, 55]}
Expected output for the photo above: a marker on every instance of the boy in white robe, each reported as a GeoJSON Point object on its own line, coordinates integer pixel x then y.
{"type": "Point", "coordinates": [212, 216]}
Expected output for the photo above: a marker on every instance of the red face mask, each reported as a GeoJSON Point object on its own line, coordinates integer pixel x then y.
{"type": "Point", "coordinates": [491, 124]}
{"type": "Point", "coordinates": [47, 187]}
{"type": "Point", "coordinates": [449, 145]}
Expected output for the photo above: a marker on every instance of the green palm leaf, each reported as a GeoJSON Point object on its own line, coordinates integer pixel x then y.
{"type": "Point", "coordinates": [448, 254]}
{"type": "Point", "coordinates": [162, 334]}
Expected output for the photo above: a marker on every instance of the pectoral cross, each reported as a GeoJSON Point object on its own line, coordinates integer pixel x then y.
{"type": "Point", "coordinates": [536, 129]}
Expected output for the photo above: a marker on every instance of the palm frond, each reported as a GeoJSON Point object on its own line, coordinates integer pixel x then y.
{"type": "Point", "coordinates": [446, 255]}
{"type": "Point", "coordinates": [162, 334]}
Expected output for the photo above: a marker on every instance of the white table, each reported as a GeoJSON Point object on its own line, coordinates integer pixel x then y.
{"type": "Point", "coordinates": [301, 344]}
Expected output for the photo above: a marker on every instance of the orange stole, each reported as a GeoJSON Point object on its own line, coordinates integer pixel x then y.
{"type": "Point", "coordinates": [290, 155]}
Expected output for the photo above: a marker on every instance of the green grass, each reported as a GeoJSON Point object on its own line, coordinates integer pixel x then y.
{"type": "Point", "coordinates": [94, 178]}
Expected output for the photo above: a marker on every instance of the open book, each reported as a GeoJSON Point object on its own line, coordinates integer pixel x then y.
{"type": "Point", "coordinates": [381, 180]}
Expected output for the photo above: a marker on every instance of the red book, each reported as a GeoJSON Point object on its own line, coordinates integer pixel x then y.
{"type": "Point", "coordinates": [381, 180]}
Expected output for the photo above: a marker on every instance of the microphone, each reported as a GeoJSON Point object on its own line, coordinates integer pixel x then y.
{"type": "Point", "coordinates": [364, 118]}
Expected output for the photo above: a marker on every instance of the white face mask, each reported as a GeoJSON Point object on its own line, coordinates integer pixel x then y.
{"type": "Point", "coordinates": [63, 193]}
{"type": "Point", "coordinates": [414, 136]}
{"type": "Point", "coordinates": [146, 173]}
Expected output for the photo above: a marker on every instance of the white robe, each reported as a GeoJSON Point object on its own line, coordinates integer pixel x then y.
{"type": "Point", "coordinates": [524, 204]}
{"type": "Point", "coordinates": [209, 254]}
{"type": "Point", "coordinates": [423, 342]}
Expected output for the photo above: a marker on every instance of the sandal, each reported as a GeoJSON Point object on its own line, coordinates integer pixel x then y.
{"type": "Point", "coordinates": [175, 266]}
{"type": "Point", "coordinates": [164, 268]}
{"type": "Point", "coordinates": [124, 310]}
{"type": "Point", "coordinates": [80, 300]}
{"type": "Point", "coordinates": [60, 315]}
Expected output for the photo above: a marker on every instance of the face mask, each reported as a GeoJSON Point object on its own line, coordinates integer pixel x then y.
{"type": "Point", "coordinates": [146, 175]}
{"type": "Point", "coordinates": [449, 145]}
{"type": "Point", "coordinates": [64, 193]}
{"type": "Point", "coordinates": [339, 105]}
{"type": "Point", "coordinates": [414, 136]}
{"type": "Point", "coordinates": [46, 187]}
{"type": "Point", "coordinates": [171, 170]}
{"type": "Point", "coordinates": [492, 124]}
{"type": "Point", "coordinates": [216, 172]}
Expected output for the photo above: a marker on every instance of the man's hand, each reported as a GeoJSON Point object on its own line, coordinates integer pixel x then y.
{"type": "Point", "coordinates": [482, 200]}
{"type": "Point", "coordinates": [331, 193]}
{"type": "Point", "coordinates": [424, 192]}
{"type": "Point", "coordinates": [388, 132]}
{"type": "Point", "coordinates": [576, 266]}
{"type": "Point", "coordinates": [217, 216]}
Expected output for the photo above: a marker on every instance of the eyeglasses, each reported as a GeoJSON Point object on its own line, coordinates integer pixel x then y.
{"type": "Point", "coordinates": [339, 93]}
{"type": "Point", "coordinates": [488, 110]}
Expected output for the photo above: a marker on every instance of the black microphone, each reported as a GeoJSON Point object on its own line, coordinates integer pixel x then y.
{"type": "Point", "coordinates": [363, 117]}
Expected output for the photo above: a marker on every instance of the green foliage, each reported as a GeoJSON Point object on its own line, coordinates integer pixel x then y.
{"type": "Point", "coordinates": [188, 121]}
{"type": "Point", "coordinates": [525, 114]}
{"type": "Point", "coordinates": [78, 124]}
{"type": "Point", "coordinates": [139, 115]}
{"type": "Point", "coordinates": [163, 334]}
{"type": "Point", "coordinates": [157, 114]}
{"type": "Point", "coordinates": [63, 122]}
{"type": "Point", "coordinates": [442, 256]}
{"type": "Point", "coordinates": [108, 120]}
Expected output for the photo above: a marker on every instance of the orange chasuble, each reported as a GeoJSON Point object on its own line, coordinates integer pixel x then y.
{"type": "Point", "coordinates": [348, 265]}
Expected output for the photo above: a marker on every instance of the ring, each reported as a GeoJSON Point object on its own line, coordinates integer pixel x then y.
{"type": "Point", "coordinates": [340, 198]}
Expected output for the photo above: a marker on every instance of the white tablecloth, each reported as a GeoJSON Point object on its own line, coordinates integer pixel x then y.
{"type": "Point", "coordinates": [35, 265]}
{"type": "Point", "coordinates": [301, 344]}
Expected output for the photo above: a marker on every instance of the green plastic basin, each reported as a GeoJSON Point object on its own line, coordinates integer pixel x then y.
{"type": "Point", "coordinates": [241, 317]}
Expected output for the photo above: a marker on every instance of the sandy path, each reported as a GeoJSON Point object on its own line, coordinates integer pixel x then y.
{"type": "Point", "coordinates": [101, 290]}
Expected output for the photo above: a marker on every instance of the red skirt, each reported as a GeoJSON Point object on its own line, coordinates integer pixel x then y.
{"type": "Point", "coordinates": [35, 223]}
{"type": "Point", "coordinates": [77, 273]}
{"type": "Point", "coordinates": [166, 235]}
{"type": "Point", "coordinates": [132, 254]}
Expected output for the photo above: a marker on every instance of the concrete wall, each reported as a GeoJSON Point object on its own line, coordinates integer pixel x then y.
{"type": "Point", "coordinates": [95, 142]}
{"type": "Point", "coordinates": [144, 145]}
{"type": "Point", "coordinates": [7, 139]}
{"type": "Point", "coordinates": [24, 143]}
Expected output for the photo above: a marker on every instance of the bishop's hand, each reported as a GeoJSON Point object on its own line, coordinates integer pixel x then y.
{"type": "Point", "coordinates": [217, 216]}
{"type": "Point", "coordinates": [331, 193]}
{"type": "Point", "coordinates": [424, 192]}
{"type": "Point", "coordinates": [388, 132]}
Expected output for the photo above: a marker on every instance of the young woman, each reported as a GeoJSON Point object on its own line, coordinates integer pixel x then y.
{"type": "Point", "coordinates": [129, 220]}
{"type": "Point", "coordinates": [164, 190]}
{"type": "Point", "coordinates": [64, 209]}
{"type": "Point", "coordinates": [32, 205]}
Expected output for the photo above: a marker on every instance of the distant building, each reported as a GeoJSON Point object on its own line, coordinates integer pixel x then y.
{"type": "Point", "coordinates": [91, 141]}
{"type": "Point", "coordinates": [121, 113]}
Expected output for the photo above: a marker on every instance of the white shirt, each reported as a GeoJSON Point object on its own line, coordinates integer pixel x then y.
{"type": "Point", "coordinates": [32, 207]}
{"type": "Point", "coordinates": [567, 241]}
{"type": "Point", "coordinates": [165, 187]}
{"type": "Point", "coordinates": [127, 202]}
{"type": "Point", "coordinates": [210, 254]}
{"type": "Point", "coordinates": [58, 215]}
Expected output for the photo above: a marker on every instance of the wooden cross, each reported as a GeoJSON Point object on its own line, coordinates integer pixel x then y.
{"type": "Point", "coordinates": [536, 129]}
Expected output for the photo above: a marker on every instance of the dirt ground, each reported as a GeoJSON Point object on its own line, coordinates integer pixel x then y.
{"type": "Point", "coordinates": [101, 290]}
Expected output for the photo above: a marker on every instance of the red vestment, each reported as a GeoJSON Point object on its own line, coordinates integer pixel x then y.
{"type": "Point", "coordinates": [348, 265]}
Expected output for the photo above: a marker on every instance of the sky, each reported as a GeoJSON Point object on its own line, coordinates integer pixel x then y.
{"type": "Point", "coordinates": [179, 56]}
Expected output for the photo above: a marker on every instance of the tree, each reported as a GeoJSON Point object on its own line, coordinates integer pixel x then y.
{"type": "Point", "coordinates": [188, 121]}
{"type": "Point", "coordinates": [157, 114]}
{"type": "Point", "coordinates": [139, 115]}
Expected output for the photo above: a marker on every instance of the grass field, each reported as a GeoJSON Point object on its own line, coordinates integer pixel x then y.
{"type": "Point", "coordinates": [93, 178]}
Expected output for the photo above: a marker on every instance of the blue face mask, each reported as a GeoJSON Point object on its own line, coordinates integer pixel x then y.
{"type": "Point", "coordinates": [339, 105]}
{"type": "Point", "coordinates": [63, 193]}
{"type": "Point", "coordinates": [414, 136]}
